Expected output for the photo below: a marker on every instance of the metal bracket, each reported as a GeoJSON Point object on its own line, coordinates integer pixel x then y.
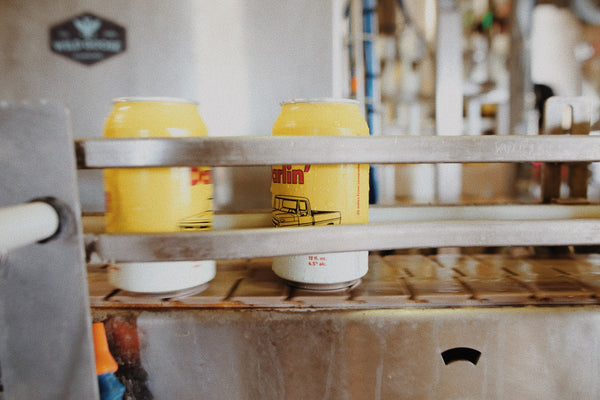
{"type": "Point", "coordinates": [46, 347]}
{"type": "Point", "coordinates": [579, 109]}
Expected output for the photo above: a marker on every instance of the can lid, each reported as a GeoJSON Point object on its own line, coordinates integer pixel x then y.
{"type": "Point", "coordinates": [320, 100]}
{"type": "Point", "coordinates": [154, 99]}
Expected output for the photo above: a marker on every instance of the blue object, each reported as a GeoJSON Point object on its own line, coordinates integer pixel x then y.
{"type": "Point", "coordinates": [372, 72]}
{"type": "Point", "coordinates": [110, 387]}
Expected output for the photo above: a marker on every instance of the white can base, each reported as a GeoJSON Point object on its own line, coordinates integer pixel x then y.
{"type": "Point", "coordinates": [322, 269]}
{"type": "Point", "coordinates": [325, 287]}
{"type": "Point", "coordinates": [161, 277]}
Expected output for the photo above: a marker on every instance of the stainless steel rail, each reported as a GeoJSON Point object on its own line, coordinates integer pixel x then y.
{"type": "Point", "coordinates": [383, 235]}
{"type": "Point", "coordinates": [265, 242]}
{"type": "Point", "coordinates": [259, 150]}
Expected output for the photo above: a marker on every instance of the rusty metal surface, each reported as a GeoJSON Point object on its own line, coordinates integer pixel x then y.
{"type": "Point", "coordinates": [418, 327]}
{"type": "Point", "coordinates": [438, 327]}
{"type": "Point", "coordinates": [380, 354]}
{"type": "Point", "coordinates": [393, 281]}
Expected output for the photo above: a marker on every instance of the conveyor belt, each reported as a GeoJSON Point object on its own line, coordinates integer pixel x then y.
{"type": "Point", "coordinates": [393, 281]}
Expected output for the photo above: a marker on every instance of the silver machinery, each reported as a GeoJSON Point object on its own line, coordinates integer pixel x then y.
{"type": "Point", "coordinates": [461, 301]}
{"type": "Point", "coordinates": [451, 325]}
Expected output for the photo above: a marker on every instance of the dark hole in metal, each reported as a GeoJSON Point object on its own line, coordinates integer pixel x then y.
{"type": "Point", "coordinates": [461, 354]}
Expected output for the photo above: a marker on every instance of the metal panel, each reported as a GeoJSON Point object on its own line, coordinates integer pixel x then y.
{"type": "Point", "coordinates": [525, 353]}
{"type": "Point", "coordinates": [245, 151]}
{"type": "Point", "coordinates": [45, 325]}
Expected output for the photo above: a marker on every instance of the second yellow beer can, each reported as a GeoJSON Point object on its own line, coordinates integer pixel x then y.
{"type": "Point", "coordinates": [309, 195]}
{"type": "Point", "coordinates": [152, 200]}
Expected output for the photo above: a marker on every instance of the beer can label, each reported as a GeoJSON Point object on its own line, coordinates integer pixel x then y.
{"type": "Point", "coordinates": [311, 195]}
{"type": "Point", "coordinates": [306, 195]}
{"type": "Point", "coordinates": [158, 199]}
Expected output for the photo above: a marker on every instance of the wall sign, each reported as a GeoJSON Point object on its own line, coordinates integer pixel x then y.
{"type": "Point", "coordinates": [87, 38]}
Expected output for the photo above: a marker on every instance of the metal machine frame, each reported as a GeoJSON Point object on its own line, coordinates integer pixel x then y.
{"type": "Point", "coordinates": [259, 349]}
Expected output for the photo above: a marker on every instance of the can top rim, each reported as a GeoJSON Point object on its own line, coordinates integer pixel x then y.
{"type": "Point", "coordinates": [320, 100]}
{"type": "Point", "coordinates": [154, 99]}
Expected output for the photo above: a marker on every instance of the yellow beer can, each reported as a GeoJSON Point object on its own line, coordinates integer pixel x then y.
{"type": "Point", "coordinates": [152, 200]}
{"type": "Point", "coordinates": [309, 195]}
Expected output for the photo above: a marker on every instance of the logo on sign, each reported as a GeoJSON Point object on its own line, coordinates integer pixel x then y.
{"type": "Point", "coordinates": [87, 26]}
{"type": "Point", "coordinates": [87, 39]}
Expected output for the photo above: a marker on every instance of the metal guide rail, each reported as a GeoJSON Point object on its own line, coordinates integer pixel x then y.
{"type": "Point", "coordinates": [381, 235]}
{"type": "Point", "coordinates": [259, 150]}
{"type": "Point", "coordinates": [267, 242]}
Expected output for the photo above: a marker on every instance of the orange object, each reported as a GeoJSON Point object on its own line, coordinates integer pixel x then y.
{"type": "Point", "coordinates": [105, 362]}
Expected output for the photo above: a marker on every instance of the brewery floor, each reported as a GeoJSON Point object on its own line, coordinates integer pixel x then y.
{"type": "Point", "coordinates": [393, 281]}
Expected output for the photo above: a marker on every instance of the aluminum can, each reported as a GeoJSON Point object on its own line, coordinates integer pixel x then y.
{"type": "Point", "coordinates": [153, 200]}
{"type": "Point", "coordinates": [309, 195]}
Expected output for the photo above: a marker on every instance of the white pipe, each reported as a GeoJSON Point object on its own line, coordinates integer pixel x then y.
{"type": "Point", "coordinates": [25, 224]}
